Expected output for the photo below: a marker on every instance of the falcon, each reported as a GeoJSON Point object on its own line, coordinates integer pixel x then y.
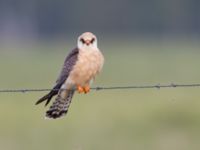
{"type": "Point", "coordinates": [80, 68]}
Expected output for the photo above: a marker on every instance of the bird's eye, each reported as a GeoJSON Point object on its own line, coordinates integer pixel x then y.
{"type": "Point", "coordinates": [82, 40]}
{"type": "Point", "coordinates": [93, 39]}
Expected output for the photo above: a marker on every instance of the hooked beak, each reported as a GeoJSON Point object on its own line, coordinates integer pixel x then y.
{"type": "Point", "coordinates": [87, 42]}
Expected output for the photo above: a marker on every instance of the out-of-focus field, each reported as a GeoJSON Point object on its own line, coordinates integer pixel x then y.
{"type": "Point", "coordinates": [141, 119]}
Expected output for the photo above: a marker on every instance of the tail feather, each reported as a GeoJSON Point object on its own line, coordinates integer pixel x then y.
{"type": "Point", "coordinates": [60, 106]}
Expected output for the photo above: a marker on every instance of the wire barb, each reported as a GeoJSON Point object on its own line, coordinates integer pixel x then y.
{"type": "Point", "coordinates": [98, 88]}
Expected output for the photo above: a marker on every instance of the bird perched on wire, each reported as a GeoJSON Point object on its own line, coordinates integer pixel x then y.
{"type": "Point", "coordinates": [79, 70]}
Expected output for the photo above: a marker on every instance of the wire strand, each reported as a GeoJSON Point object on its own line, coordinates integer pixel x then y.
{"type": "Point", "coordinates": [98, 88]}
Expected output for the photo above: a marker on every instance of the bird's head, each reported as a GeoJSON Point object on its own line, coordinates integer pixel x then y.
{"type": "Point", "coordinates": [87, 39]}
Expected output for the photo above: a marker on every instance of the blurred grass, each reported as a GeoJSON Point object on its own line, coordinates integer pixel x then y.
{"type": "Point", "coordinates": [122, 119]}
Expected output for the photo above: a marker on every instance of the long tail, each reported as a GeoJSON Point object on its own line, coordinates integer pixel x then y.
{"type": "Point", "coordinates": [61, 104]}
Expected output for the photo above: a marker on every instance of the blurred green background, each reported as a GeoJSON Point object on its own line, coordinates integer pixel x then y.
{"type": "Point", "coordinates": [144, 43]}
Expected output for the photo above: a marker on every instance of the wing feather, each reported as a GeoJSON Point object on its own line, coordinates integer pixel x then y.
{"type": "Point", "coordinates": [69, 62]}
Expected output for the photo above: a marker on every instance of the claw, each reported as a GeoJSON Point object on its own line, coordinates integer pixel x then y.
{"type": "Point", "coordinates": [86, 89]}
{"type": "Point", "coordinates": [80, 89]}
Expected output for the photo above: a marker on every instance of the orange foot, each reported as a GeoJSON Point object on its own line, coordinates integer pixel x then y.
{"type": "Point", "coordinates": [86, 89]}
{"type": "Point", "coordinates": [80, 89]}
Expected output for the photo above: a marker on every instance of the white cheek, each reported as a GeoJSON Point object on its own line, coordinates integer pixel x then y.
{"type": "Point", "coordinates": [80, 44]}
{"type": "Point", "coordinates": [95, 44]}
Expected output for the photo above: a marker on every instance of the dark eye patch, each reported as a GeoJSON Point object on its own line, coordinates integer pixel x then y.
{"type": "Point", "coordinates": [93, 39]}
{"type": "Point", "coordinates": [82, 40]}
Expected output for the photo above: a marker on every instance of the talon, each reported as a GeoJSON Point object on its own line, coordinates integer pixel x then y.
{"type": "Point", "coordinates": [86, 89]}
{"type": "Point", "coordinates": [80, 89]}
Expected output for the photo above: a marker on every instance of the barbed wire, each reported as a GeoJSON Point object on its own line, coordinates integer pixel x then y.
{"type": "Point", "coordinates": [98, 88]}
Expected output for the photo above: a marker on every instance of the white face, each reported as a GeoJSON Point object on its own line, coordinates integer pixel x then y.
{"type": "Point", "coordinates": [87, 40]}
